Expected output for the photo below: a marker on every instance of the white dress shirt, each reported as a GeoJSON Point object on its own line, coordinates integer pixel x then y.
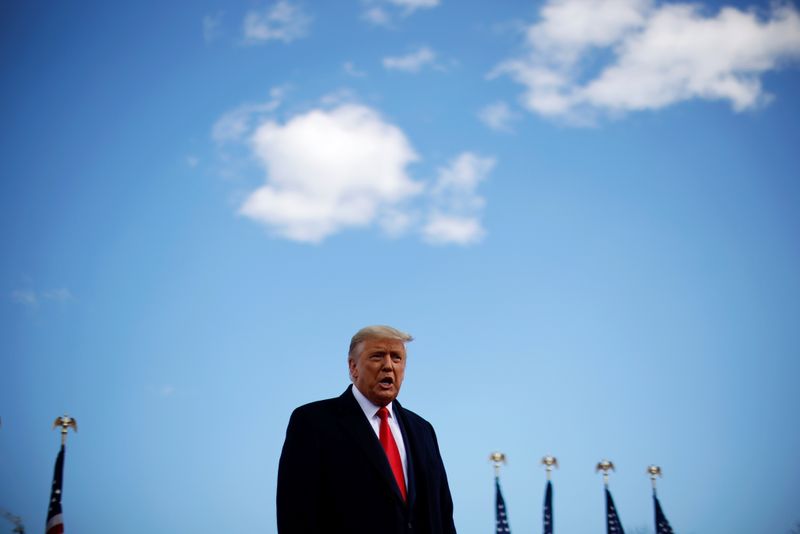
{"type": "Point", "coordinates": [371, 413]}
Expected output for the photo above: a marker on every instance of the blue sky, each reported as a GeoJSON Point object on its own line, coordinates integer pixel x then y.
{"type": "Point", "coordinates": [585, 211]}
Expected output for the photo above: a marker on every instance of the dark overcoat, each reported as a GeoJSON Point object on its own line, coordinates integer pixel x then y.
{"type": "Point", "coordinates": [334, 476]}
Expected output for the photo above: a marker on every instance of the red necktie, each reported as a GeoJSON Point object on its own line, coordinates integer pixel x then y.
{"type": "Point", "coordinates": [392, 453]}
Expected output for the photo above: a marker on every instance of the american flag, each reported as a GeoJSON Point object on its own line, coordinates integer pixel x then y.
{"type": "Point", "coordinates": [613, 525]}
{"type": "Point", "coordinates": [500, 515]}
{"type": "Point", "coordinates": [662, 525]}
{"type": "Point", "coordinates": [548, 509]}
{"type": "Point", "coordinates": [55, 524]}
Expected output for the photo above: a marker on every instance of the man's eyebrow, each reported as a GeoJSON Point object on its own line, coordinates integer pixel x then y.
{"type": "Point", "coordinates": [384, 351]}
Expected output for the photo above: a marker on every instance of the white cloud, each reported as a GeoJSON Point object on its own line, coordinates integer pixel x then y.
{"type": "Point", "coordinates": [25, 297]}
{"type": "Point", "coordinates": [377, 16]}
{"type": "Point", "coordinates": [660, 55]}
{"type": "Point", "coordinates": [385, 12]}
{"type": "Point", "coordinates": [413, 5]}
{"type": "Point", "coordinates": [568, 27]}
{"type": "Point", "coordinates": [456, 206]}
{"type": "Point", "coordinates": [282, 21]}
{"type": "Point", "coordinates": [446, 229]}
{"type": "Point", "coordinates": [464, 173]}
{"type": "Point", "coordinates": [497, 116]}
{"type": "Point", "coordinates": [351, 70]}
{"type": "Point", "coordinates": [343, 166]}
{"type": "Point", "coordinates": [212, 27]}
{"type": "Point", "coordinates": [61, 294]}
{"type": "Point", "coordinates": [163, 391]}
{"type": "Point", "coordinates": [338, 97]}
{"type": "Point", "coordinates": [328, 170]}
{"type": "Point", "coordinates": [32, 298]}
{"type": "Point", "coordinates": [396, 222]}
{"type": "Point", "coordinates": [412, 62]}
{"type": "Point", "coordinates": [235, 124]}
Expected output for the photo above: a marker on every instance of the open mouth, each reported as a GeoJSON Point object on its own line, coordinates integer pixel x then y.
{"type": "Point", "coordinates": [386, 382]}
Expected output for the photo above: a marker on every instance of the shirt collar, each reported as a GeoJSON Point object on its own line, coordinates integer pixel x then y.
{"type": "Point", "coordinates": [367, 406]}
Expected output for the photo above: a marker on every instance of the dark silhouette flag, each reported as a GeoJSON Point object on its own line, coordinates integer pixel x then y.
{"type": "Point", "coordinates": [662, 525]}
{"type": "Point", "coordinates": [55, 523]}
{"type": "Point", "coordinates": [613, 525]}
{"type": "Point", "coordinates": [501, 516]}
{"type": "Point", "coordinates": [548, 509]}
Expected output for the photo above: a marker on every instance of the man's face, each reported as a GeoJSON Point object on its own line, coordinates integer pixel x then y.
{"type": "Point", "coordinates": [378, 371]}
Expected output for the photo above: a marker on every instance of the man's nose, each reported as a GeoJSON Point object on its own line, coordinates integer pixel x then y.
{"type": "Point", "coordinates": [387, 361]}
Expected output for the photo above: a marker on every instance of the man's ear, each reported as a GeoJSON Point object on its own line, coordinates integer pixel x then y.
{"type": "Point", "coordinates": [351, 363]}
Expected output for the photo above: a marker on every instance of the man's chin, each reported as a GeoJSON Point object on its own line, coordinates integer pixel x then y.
{"type": "Point", "coordinates": [383, 397]}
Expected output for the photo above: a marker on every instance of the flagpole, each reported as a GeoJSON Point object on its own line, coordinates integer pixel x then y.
{"type": "Point", "coordinates": [605, 466]}
{"type": "Point", "coordinates": [613, 523]}
{"type": "Point", "coordinates": [65, 422]}
{"type": "Point", "coordinates": [654, 472]}
{"type": "Point", "coordinates": [501, 514]}
{"type": "Point", "coordinates": [662, 524]}
{"type": "Point", "coordinates": [55, 519]}
{"type": "Point", "coordinates": [549, 462]}
{"type": "Point", "coordinates": [498, 459]}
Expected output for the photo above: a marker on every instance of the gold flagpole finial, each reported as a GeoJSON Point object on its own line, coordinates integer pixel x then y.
{"type": "Point", "coordinates": [549, 462]}
{"type": "Point", "coordinates": [65, 422]}
{"type": "Point", "coordinates": [605, 466]}
{"type": "Point", "coordinates": [497, 458]}
{"type": "Point", "coordinates": [654, 472]}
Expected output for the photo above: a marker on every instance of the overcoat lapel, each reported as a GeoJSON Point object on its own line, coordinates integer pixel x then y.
{"type": "Point", "coordinates": [408, 439]}
{"type": "Point", "coordinates": [358, 428]}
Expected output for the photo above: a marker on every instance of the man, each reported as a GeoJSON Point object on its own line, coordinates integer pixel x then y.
{"type": "Point", "coordinates": [361, 463]}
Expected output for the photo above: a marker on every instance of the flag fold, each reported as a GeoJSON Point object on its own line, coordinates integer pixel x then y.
{"type": "Point", "coordinates": [55, 523]}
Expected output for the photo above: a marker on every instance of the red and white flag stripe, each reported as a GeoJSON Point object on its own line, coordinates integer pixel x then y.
{"type": "Point", "coordinates": [55, 525]}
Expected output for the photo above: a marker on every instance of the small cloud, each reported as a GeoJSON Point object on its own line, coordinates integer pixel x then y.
{"type": "Point", "coordinates": [163, 391]}
{"type": "Point", "coordinates": [60, 295]}
{"type": "Point", "coordinates": [351, 70]}
{"type": "Point", "coordinates": [413, 5]}
{"type": "Point", "coordinates": [510, 27]}
{"type": "Point", "coordinates": [32, 299]}
{"type": "Point", "coordinates": [456, 207]}
{"type": "Point", "coordinates": [498, 117]}
{"type": "Point", "coordinates": [446, 229]}
{"type": "Point", "coordinates": [25, 297]}
{"type": "Point", "coordinates": [396, 222]}
{"type": "Point", "coordinates": [376, 16]}
{"type": "Point", "coordinates": [339, 97]}
{"type": "Point", "coordinates": [384, 12]}
{"type": "Point", "coordinates": [457, 183]}
{"type": "Point", "coordinates": [212, 27]}
{"type": "Point", "coordinates": [282, 21]}
{"type": "Point", "coordinates": [233, 125]}
{"type": "Point", "coordinates": [412, 62]}
{"type": "Point", "coordinates": [192, 161]}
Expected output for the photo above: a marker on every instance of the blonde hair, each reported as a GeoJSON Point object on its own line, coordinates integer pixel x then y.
{"type": "Point", "coordinates": [375, 332]}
